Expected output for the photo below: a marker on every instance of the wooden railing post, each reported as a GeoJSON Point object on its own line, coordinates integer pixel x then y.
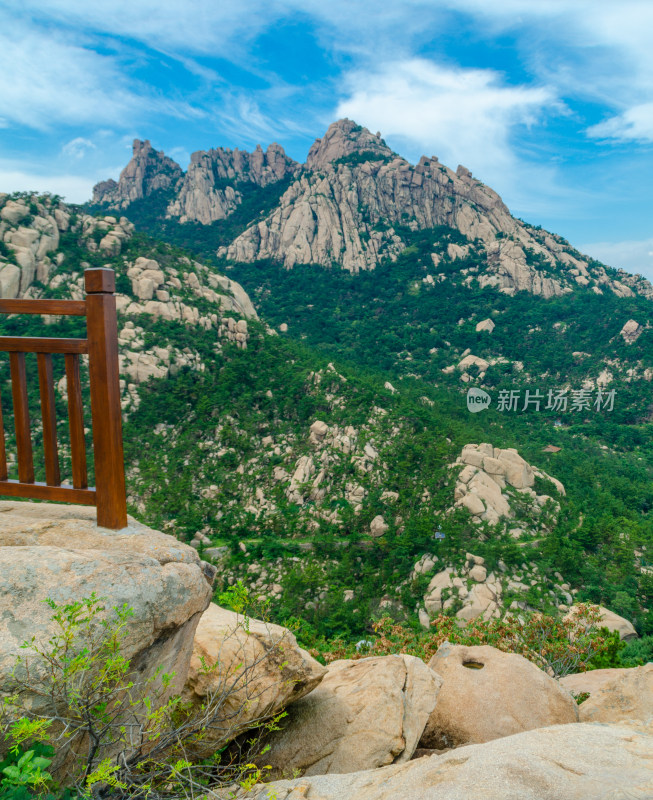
{"type": "Point", "coordinates": [106, 411]}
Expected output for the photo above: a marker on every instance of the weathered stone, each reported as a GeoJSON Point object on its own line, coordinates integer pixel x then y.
{"type": "Point", "coordinates": [162, 580]}
{"type": "Point", "coordinates": [256, 666]}
{"type": "Point", "coordinates": [631, 331]}
{"type": "Point", "coordinates": [378, 526]}
{"type": "Point", "coordinates": [365, 714]}
{"type": "Point", "coordinates": [613, 622]}
{"type": "Point", "coordinates": [616, 695]}
{"type": "Point", "coordinates": [563, 762]}
{"type": "Point", "coordinates": [488, 694]}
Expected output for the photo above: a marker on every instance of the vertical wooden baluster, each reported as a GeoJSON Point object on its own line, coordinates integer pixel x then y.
{"type": "Point", "coordinates": [76, 420]}
{"type": "Point", "coordinates": [21, 418]}
{"type": "Point", "coordinates": [102, 337]}
{"type": "Point", "coordinates": [3, 452]}
{"type": "Point", "coordinates": [50, 449]}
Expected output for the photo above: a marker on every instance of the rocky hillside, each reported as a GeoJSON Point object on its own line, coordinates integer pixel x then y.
{"type": "Point", "coordinates": [354, 203]}
{"type": "Point", "coordinates": [45, 246]}
{"type": "Point", "coordinates": [323, 465]}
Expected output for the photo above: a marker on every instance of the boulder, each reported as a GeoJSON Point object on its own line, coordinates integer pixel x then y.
{"type": "Point", "coordinates": [485, 325]}
{"type": "Point", "coordinates": [631, 331]}
{"type": "Point", "coordinates": [613, 622]}
{"type": "Point", "coordinates": [616, 695]}
{"type": "Point", "coordinates": [257, 667]}
{"type": "Point", "coordinates": [162, 580]}
{"type": "Point", "coordinates": [378, 526]}
{"type": "Point", "coordinates": [563, 762]}
{"type": "Point", "coordinates": [365, 714]}
{"type": "Point", "coordinates": [488, 694]}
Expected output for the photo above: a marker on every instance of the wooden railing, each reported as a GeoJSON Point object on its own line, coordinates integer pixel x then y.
{"type": "Point", "coordinates": [101, 346]}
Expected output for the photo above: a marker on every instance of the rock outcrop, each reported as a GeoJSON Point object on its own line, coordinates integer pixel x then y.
{"type": "Point", "coordinates": [365, 714]}
{"type": "Point", "coordinates": [574, 762]}
{"type": "Point", "coordinates": [148, 171]}
{"type": "Point", "coordinates": [613, 622]}
{"type": "Point", "coordinates": [489, 475]}
{"type": "Point", "coordinates": [162, 580]}
{"type": "Point", "coordinates": [487, 694]}
{"type": "Point", "coordinates": [616, 695]}
{"type": "Point", "coordinates": [248, 668]}
{"type": "Point", "coordinates": [210, 190]}
{"type": "Point", "coordinates": [631, 331]}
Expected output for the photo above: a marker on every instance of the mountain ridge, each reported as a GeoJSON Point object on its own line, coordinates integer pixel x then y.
{"type": "Point", "coordinates": [352, 204]}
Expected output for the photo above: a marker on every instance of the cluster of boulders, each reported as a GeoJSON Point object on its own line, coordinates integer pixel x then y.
{"type": "Point", "coordinates": [470, 591]}
{"type": "Point", "coordinates": [30, 230]}
{"type": "Point", "coordinates": [488, 478]}
{"type": "Point", "coordinates": [368, 726]}
{"type": "Point", "coordinates": [182, 291]}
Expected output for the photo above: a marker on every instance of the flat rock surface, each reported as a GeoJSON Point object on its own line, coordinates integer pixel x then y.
{"type": "Point", "coordinates": [563, 762]}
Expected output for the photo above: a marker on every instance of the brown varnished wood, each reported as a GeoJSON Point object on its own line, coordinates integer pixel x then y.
{"type": "Point", "coordinates": [102, 336]}
{"type": "Point", "coordinates": [67, 308]}
{"type": "Point", "coordinates": [76, 421]}
{"type": "Point", "coordinates": [48, 415]}
{"type": "Point", "coordinates": [21, 418]}
{"type": "Point", "coordinates": [32, 344]}
{"type": "Point", "coordinates": [40, 491]}
{"type": "Point", "coordinates": [102, 348]}
{"type": "Point", "coordinates": [3, 452]}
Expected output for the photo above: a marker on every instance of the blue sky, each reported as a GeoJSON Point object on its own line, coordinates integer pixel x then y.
{"type": "Point", "coordinates": [550, 103]}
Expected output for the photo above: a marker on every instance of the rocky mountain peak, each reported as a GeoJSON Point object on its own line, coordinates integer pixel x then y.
{"type": "Point", "coordinates": [343, 138]}
{"type": "Point", "coordinates": [147, 171]}
{"type": "Point", "coordinates": [210, 190]}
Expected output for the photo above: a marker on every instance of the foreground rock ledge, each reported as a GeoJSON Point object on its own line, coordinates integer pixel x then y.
{"type": "Point", "coordinates": [364, 714]}
{"type": "Point", "coordinates": [564, 762]}
{"type": "Point", "coordinates": [255, 667]}
{"type": "Point", "coordinates": [58, 552]}
{"type": "Point", "coordinates": [488, 694]}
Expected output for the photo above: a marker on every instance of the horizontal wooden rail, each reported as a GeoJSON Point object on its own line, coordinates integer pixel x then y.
{"type": "Point", "coordinates": [101, 346]}
{"type": "Point", "coordinates": [33, 344]}
{"type": "Point", "coordinates": [41, 491]}
{"type": "Point", "coordinates": [66, 308]}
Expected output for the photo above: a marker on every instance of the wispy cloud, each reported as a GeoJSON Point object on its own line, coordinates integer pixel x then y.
{"type": "Point", "coordinates": [78, 147]}
{"type": "Point", "coordinates": [59, 78]}
{"type": "Point", "coordinates": [465, 117]}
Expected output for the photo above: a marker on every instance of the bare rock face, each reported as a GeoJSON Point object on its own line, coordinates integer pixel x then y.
{"type": "Point", "coordinates": [487, 694]}
{"type": "Point", "coordinates": [258, 667]}
{"type": "Point", "coordinates": [148, 170]}
{"type": "Point", "coordinates": [631, 331]}
{"type": "Point", "coordinates": [613, 622]}
{"type": "Point", "coordinates": [58, 552]}
{"type": "Point", "coordinates": [344, 209]}
{"type": "Point", "coordinates": [574, 762]}
{"type": "Point", "coordinates": [344, 138]}
{"type": "Point", "coordinates": [209, 189]}
{"type": "Point", "coordinates": [365, 714]}
{"type": "Point", "coordinates": [616, 695]}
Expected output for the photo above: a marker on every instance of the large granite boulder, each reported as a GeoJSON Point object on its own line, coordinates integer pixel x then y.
{"type": "Point", "coordinates": [613, 622]}
{"type": "Point", "coordinates": [616, 695]}
{"type": "Point", "coordinates": [487, 694]}
{"type": "Point", "coordinates": [365, 714]}
{"type": "Point", "coordinates": [247, 670]}
{"type": "Point", "coordinates": [59, 553]}
{"type": "Point", "coordinates": [563, 762]}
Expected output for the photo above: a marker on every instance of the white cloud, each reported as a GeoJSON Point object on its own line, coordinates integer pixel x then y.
{"type": "Point", "coordinates": [78, 147]}
{"type": "Point", "coordinates": [74, 188]}
{"type": "Point", "coordinates": [58, 78]}
{"type": "Point", "coordinates": [635, 124]}
{"type": "Point", "coordinates": [633, 255]}
{"type": "Point", "coordinates": [463, 116]}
